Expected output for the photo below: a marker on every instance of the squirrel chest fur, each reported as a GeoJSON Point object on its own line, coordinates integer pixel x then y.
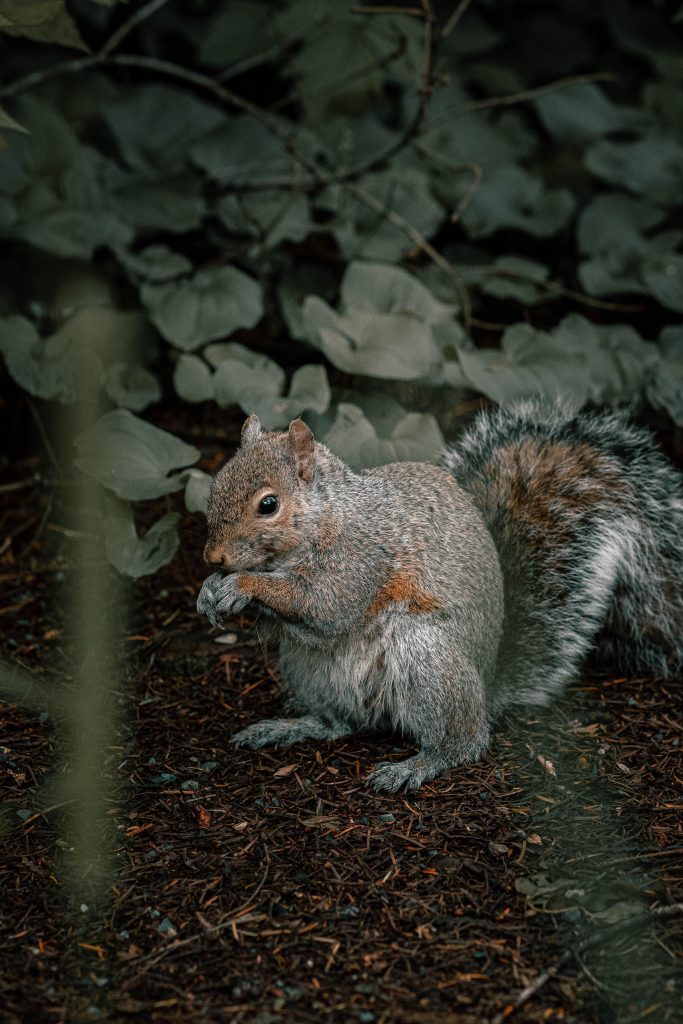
{"type": "Point", "coordinates": [423, 600]}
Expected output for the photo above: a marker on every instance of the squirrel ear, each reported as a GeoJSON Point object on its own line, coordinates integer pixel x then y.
{"type": "Point", "coordinates": [251, 430]}
{"type": "Point", "coordinates": [302, 443]}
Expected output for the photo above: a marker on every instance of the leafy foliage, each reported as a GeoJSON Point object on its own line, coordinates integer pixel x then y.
{"type": "Point", "coordinates": [492, 208]}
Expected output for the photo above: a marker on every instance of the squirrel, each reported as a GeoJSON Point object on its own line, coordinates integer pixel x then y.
{"type": "Point", "coordinates": [425, 599]}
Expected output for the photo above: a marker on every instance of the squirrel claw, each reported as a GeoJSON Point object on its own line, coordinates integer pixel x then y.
{"type": "Point", "coordinates": [390, 776]}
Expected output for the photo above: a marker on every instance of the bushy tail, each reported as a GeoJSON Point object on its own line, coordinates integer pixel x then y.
{"type": "Point", "coordinates": [587, 517]}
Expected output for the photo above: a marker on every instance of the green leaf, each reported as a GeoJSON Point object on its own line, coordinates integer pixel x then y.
{"type": "Point", "coordinates": [303, 280]}
{"type": "Point", "coordinates": [581, 113]}
{"type": "Point", "coordinates": [144, 201]}
{"type": "Point", "coordinates": [44, 21]}
{"type": "Point", "coordinates": [192, 379]}
{"type": "Point", "coordinates": [385, 327]}
{"type": "Point", "coordinates": [210, 305]}
{"type": "Point", "coordinates": [363, 232]}
{"type": "Point", "coordinates": [156, 263]}
{"type": "Point", "coordinates": [612, 231]}
{"type": "Point", "coordinates": [382, 288]}
{"type": "Point", "coordinates": [52, 368]}
{"type": "Point", "coordinates": [222, 46]}
{"type": "Point", "coordinates": [309, 391]}
{"type": "Point", "coordinates": [132, 457]}
{"type": "Point", "coordinates": [21, 346]}
{"type": "Point", "coordinates": [197, 490]}
{"type": "Point", "coordinates": [510, 197]}
{"type": "Point", "coordinates": [651, 166]}
{"type": "Point", "coordinates": [243, 377]}
{"type": "Point", "coordinates": [131, 386]}
{"type": "Point", "coordinates": [271, 216]}
{"type": "Point", "coordinates": [8, 122]}
{"type": "Point", "coordinates": [390, 346]}
{"type": "Point", "coordinates": [664, 391]}
{"type": "Point", "coordinates": [243, 150]}
{"type": "Point", "coordinates": [578, 361]}
{"type": "Point", "coordinates": [138, 556]}
{"type": "Point", "coordinates": [415, 437]}
{"type": "Point", "coordinates": [513, 277]}
{"type": "Point", "coordinates": [663, 275]}
{"type": "Point", "coordinates": [155, 125]}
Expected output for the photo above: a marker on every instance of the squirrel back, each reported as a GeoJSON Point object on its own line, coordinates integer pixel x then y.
{"type": "Point", "coordinates": [587, 518]}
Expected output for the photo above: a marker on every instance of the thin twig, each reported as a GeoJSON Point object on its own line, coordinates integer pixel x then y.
{"type": "Point", "coordinates": [531, 989]}
{"type": "Point", "coordinates": [120, 34]}
{"type": "Point", "coordinates": [455, 18]}
{"type": "Point", "coordinates": [24, 689]}
{"type": "Point", "coordinates": [420, 241]}
{"type": "Point", "coordinates": [415, 12]}
{"type": "Point", "coordinates": [523, 95]}
{"type": "Point", "coordinates": [43, 434]}
{"type": "Point", "coordinates": [18, 485]}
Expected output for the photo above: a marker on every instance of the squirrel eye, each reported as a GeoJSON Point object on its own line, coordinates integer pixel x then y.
{"type": "Point", "coordinates": [268, 505]}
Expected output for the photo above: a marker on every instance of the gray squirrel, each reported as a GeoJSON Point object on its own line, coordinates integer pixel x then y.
{"type": "Point", "coordinates": [425, 600]}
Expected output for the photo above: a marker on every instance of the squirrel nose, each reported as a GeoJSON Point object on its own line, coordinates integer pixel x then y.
{"type": "Point", "coordinates": [213, 556]}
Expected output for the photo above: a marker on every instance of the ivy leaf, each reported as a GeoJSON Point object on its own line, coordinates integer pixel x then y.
{"type": "Point", "coordinates": [154, 126]}
{"type": "Point", "coordinates": [385, 327]}
{"type": "Point", "coordinates": [6, 121]}
{"type": "Point", "coordinates": [664, 390]}
{"type": "Point", "coordinates": [131, 386]}
{"type": "Point", "coordinates": [651, 166]}
{"type": "Point", "coordinates": [210, 305]}
{"type": "Point", "coordinates": [271, 216]}
{"type": "Point", "coordinates": [308, 391]}
{"type": "Point", "coordinates": [582, 113]}
{"type": "Point", "coordinates": [663, 275]}
{"type": "Point", "coordinates": [144, 200]}
{"type": "Point", "coordinates": [381, 288]}
{"type": "Point", "coordinates": [156, 263]}
{"type": "Point", "coordinates": [222, 46]}
{"type": "Point", "coordinates": [243, 377]}
{"type": "Point", "coordinates": [197, 490]}
{"type": "Point", "coordinates": [389, 346]}
{"type": "Point", "coordinates": [293, 289]}
{"type": "Point", "coordinates": [577, 361]}
{"type": "Point", "coordinates": [513, 277]}
{"type": "Point", "coordinates": [362, 232]}
{"type": "Point", "coordinates": [138, 556]}
{"type": "Point", "coordinates": [52, 367]}
{"type": "Point", "coordinates": [242, 150]}
{"type": "Point", "coordinates": [192, 379]}
{"type": "Point", "coordinates": [44, 21]}
{"type": "Point", "coordinates": [132, 457]}
{"type": "Point", "coordinates": [510, 197]}
{"type": "Point", "coordinates": [416, 437]}
{"type": "Point", "coordinates": [623, 259]}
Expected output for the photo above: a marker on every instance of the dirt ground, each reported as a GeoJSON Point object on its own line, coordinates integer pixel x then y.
{"type": "Point", "coordinates": [543, 884]}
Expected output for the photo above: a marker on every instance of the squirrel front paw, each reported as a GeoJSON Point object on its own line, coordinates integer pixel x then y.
{"type": "Point", "coordinates": [219, 598]}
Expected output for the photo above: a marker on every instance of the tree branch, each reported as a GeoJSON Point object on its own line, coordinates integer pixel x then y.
{"type": "Point", "coordinates": [138, 16]}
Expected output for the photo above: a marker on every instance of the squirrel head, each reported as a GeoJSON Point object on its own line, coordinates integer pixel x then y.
{"type": "Point", "coordinates": [259, 499]}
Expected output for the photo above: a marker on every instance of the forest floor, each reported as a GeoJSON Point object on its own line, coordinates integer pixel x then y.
{"type": "Point", "coordinates": [542, 884]}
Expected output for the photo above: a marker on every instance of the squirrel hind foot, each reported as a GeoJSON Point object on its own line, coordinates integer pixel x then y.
{"type": "Point", "coordinates": [390, 776]}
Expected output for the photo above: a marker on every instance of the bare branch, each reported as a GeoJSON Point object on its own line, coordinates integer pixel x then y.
{"type": "Point", "coordinates": [138, 16]}
{"type": "Point", "coordinates": [455, 18]}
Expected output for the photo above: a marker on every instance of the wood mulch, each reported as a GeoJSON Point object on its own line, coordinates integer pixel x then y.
{"type": "Point", "coordinates": [543, 884]}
